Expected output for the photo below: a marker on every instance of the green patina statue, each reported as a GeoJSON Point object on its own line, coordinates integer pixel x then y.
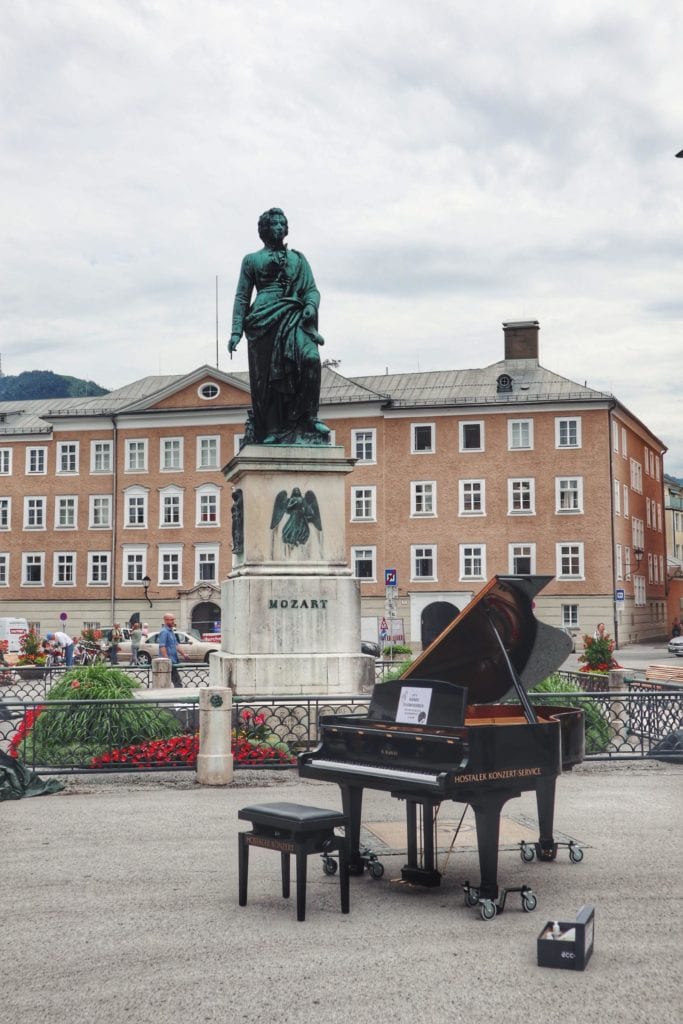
{"type": "Point", "coordinates": [281, 330]}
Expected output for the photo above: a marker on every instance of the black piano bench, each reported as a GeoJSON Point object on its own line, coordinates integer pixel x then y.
{"type": "Point", "coordinates": [297, 829]}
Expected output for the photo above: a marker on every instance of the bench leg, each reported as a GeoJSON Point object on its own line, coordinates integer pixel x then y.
{"type": "Point", "coordinates": [301, 861]}
{"type": "Point", "coordinates": [284, 861]}
{"type": "Point", "coordinates": [344, 877]}
{"type": "Point", "coordinates": [243, 867]}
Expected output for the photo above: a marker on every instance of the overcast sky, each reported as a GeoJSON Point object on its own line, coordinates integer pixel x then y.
{"type": "Point", "coordinates": [445, 165]}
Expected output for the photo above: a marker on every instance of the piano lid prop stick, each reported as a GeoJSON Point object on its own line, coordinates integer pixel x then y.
{"type": "Point", "coordinates": [521, 692]}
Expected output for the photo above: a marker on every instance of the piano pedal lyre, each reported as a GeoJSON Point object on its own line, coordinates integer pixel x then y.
{"type": "Point", "coordinates": [489, 908]}
{"type": "Point", "coordinates": [548, 851]}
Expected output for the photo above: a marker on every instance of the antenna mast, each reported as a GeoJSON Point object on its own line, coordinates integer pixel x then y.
{"type": "Point", "coordinates": [216, 321]}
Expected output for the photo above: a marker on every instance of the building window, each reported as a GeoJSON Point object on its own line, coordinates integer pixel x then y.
{"type": "Point", "coordinates": [170, 565]}
{"type": "Point", "coordinates": [64, 574]}
{"type": "Point", "coordinates": [472, 437]}
{"type": "Point", "coordinates": [522, 559]}
{"type": "Point", "coordinates": [32, 569]}
{"type": "Point", "coordinates": [100, 512]}
{"type": "Point", "coordinates": [472, 561]}
{"type": "Point", "coordinates": [615, 436]}
{"type": "Point", "coordinates": [135, 505]}
{"type": "Point", "coordinates": [209, 391]}
{"type": "Point", "coordinates": [624, 443]}
{"type": "Point", "coordinates": [171, 453]}
{"type": "Point", "coordinates": [34, 513]}
{"type": "Point", "coordinates": [5, 513]}
{"type": "Point", "coordinates": [36, 461]}
{"type": "Point", "coordinates": [4, 569]}
{"type": "Point", "coordinates": [98, 568]}
{"type": "Point", "coordinates": [569, 561]}
{"type": "Point", "coordinates": [171, 507]}
{"type": "Point", "coordinates": [423, 562]}
{"type": "Point", "coordinates": [620, 563]}
{"type": "Point", "coordinates": [639, 592]}
{"type": "Point", "coordinates": [136, 456]}
{"type": "Point", "coordinates": [207, 453]}
{"type": "Point", "coordinates": [521, 497]}
{"type": "Point", "coordinates": [363, 445]}
{"type": "Point", "coordinates": [570, 616]}
{"type": "Point", "coordinates": [568, 432]}
{"type": "Point", "coordinates": [134, 564]}
{"type": "Point", "coordinates": [363, 562]}
{"type": "Point", "coordinates": [569, 494]}
{"type": "Point", "coordinates": [206, 565]}
{"type": "Point", "coordinates": [66, 513]}
{"type": "Point", "coordinates": [472, 493]}
{"type": "Point", "coordinates": [627, 563]}
{"type": "Point", "coordinates": [423, 498]}
{"type": "Point", "coordinates": [422, 435]}
{"type": "Point", "coordinates": [363, 501]}
{"type": "Point", "coordinates": [101, 456]}
{"type": "Point", "coordinates": [617, 498]}
{"type": "Point", "coordinates": [207, 506]}
{"type": "Point", "coordinates": [636, 476]}
{"type": "Point", "coordinates": [520, 434]}
{"type": "Point", "coordinates": [638, 532]}
{"type": "Point", "coordinates": [5, 461]}
{"type": "Point", "coordinates": [625, 501]}
{"type": "Point", "coordinates": [67, 457]}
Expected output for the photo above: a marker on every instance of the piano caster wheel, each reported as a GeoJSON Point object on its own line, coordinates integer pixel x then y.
{"type": "Point", "coordinates": [575, 853]}
{"type": "Point", "coordinates": [526, 852]}
{"type": "Point", "coordinates": [488, 910]}
{"type": "Point", "coordinates": [471, 896]}
{"type": "Point", "coordinates": [529, 901]}
{"type": "Point", "coordinates": [375, 869]}
{"type": "Point", "coordinates": [329, 865]}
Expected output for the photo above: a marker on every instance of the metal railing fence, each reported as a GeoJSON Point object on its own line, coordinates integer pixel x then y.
{"type": "Point", "coordinates": [35, 682]}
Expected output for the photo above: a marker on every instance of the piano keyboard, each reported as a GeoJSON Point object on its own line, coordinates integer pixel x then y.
{"type": "Point", "coordinates": [375, 771]}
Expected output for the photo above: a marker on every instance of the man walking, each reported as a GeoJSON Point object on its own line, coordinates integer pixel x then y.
{"type": "Point", "coordinates": [67, 645]}
{"type": "Point", "coordinates": [168, 647]}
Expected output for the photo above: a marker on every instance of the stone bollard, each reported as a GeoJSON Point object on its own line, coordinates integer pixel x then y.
{"type": "Point", "coordinates": [214, 760]}
{"type": "Point", "coordinates": [161, 673]}
{"type": "Point", "coordinates": [616, 680]}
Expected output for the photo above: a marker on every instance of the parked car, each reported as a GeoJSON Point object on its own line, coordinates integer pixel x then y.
{"type": "Point", "coordinates": [188, 645]}
{"type": "Point", "coordinates": [676, 646]}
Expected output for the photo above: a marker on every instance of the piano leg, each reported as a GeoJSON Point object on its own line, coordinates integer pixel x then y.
{"type": "Point", "coordinates": [487, 813]}
{"type": "Point", "coordinates": [546, 848]}
{"type": "Point", "coordinates": [352, 805]}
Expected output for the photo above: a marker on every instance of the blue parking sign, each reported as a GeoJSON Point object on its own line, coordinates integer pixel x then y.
{"type": "Point", "coordinates": [390, 578]}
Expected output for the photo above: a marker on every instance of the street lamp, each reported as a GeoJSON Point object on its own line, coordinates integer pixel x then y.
{"type": "Point", "coordinates": [638, 555]}
{"type": "Point", "coordinates": [145, 584]}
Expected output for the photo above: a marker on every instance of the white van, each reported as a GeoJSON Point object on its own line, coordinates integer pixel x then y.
{"type": "Point", "coordinates": [12, 631]}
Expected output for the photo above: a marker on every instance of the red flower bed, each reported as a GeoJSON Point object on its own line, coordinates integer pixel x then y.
{"type": "Point", "coordinates": [183, 750]}
{"type": "Point", "coordinates": [24, 729]}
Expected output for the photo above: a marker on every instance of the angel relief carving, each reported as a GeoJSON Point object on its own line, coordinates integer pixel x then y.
{"type": "Point", "coordinates": [300, 511]}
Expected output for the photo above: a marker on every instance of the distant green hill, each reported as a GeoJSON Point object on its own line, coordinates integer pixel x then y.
{"type": "Point", "coordinates": [33, 384]}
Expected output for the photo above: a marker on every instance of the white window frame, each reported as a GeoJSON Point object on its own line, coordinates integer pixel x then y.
{"type": "Point", "coordinates": [624, 443]}
{"type": "Point", "coordinates": [461, 435]}
{"type": "Point", "coordinates": [421, 485]}
{"type": "Point", "coordinates": [513, 553]}
{"type": "Point", "coordinates": [107, 501]}
{"type": "Point", "coordinates": [530, 491]}
{"type": "Point", "coordinates": [64, 448]}
{"type": "Point", "coordinates": [366, 498]}
{"type": "Point", "coordinates": [41, 456]}
{"type": "Point", "coordinates": [140, 495]}
{"type": "Point", "coordinates": [206, 467]}
{"type": "Point", "coordinates": [201, 553]}
{"type": "Point", "coordinates": [574, 549]}
{"type": "Point", "coordinates": [518, 426]}
{"type": "Point", "coordinates": [69, 559]}
{"type": "Point", "coordinates": [559, 426]}
{"type": "Point", "coordinates": [205, 491]}
{"type": "Point", "coordinates": [60, 499]}
{"type": "Point", "coordinates": [137, 455]}
{"type": "Point", "coordinates": [620, 562]}
{"type": "Point", "coordinates": [172, 443]}
{"type": "Point", "coordinates": [617, 498]}
{"type": "Point", "coordinates": [413, 445]}
{"type": "Point", "coordinates": [174, 552]}
{"type": "Point", "coordinates": [364, 549]}
{"type": "Point", "coordinates": [577, 491]}
{"type": "Point", "coordinates": [43, 504]}
{"type": "Point", "coordinates": [639, 591]}
{"type": "Point", "coordinates": [570, 616]}
{"type": "Point", "coordinates": [476, 554]}
{"type": "Point", "coordinates": [138, 552]}
{"type": "Point", "coordinates": [364, 438]}
{"type": "Point", "coordinates": [414, 549]}
{"type": "Point", "coordinates": [104, 558]}
{"type": "Point", "coordinates": [467, 488]}
{"type": "Point", "coordinates": [5, 461]}
{"type": "Point", "coordinates": [615, 436]}
{"type": "Point", "coordinates": [103, 450]}
{"type": "Point", "coordinates": [172, 491]}
{"type": "Point", "coordinates": [4, 568]}
{"type": "Point", "coordinates": [39, 557]}
{"type": "Point", "coordinates": [5, 514]}
{"type": "Point", "coordinates": [625, 502]}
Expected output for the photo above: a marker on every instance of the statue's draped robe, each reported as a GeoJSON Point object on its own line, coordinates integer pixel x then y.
{"type": "Point", "coordinates": [284, 364]}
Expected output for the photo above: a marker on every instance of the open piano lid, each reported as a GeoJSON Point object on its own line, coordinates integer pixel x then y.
{"type": "Point", "coordinates": [469, 653]}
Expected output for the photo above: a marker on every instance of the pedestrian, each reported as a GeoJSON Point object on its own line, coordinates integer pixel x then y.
{"type": "Point", "coordinates": [676, 627]}
{"type": "Point", "coordinates": [114, 641]}
{"type": "Point", "coordinates": [168, 647]}
{"type": "Point", "coordinates": [65, 643]}
{"type": "Point", "coordinates": [600, 632]}
{"type": "Point", "coordinates": [145, 631]}
{"type": "Point", "coordinates": [135, 641]}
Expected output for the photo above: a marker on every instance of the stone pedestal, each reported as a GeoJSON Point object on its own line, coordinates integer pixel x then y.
{"type": "Point", "coordinates": [214, 760]}
{"type": "Point", "coordinates": [290, 607]}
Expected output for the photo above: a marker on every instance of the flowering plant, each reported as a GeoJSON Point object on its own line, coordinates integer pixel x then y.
{"type": "Point", "coordinates": [597, 654]}
{"type": "Point", "coordinates": [24, 729]}
{"type": "Point", "coordinates": [31, 649]}
{"type": "Point", "coordinates": [91, 636]}
{"type": "Point", "coordinates": [183, 750]}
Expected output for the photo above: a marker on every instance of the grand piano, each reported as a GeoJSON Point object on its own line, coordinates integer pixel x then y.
{"type": "Point", "coordinates": [440, 733]}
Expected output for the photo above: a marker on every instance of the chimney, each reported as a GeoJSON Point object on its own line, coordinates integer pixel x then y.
{"type": "Point", "coordinates": [521, 339]}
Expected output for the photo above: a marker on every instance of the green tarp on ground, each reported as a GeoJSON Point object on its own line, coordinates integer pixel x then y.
{"type": "Point", "coordinates": [16, 780]}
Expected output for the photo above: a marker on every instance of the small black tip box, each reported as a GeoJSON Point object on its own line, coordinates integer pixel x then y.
{"type": "Point", "coordinates": [568, 944]}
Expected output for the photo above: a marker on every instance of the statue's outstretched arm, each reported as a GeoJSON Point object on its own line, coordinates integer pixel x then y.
{"type": "Point", "coordinates": [245, 287]}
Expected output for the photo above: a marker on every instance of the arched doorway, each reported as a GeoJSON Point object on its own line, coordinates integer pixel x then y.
{"type": "Point", "coordinates": [434, 619]}
{"type": "Point", "coordinates": [206, 618]}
